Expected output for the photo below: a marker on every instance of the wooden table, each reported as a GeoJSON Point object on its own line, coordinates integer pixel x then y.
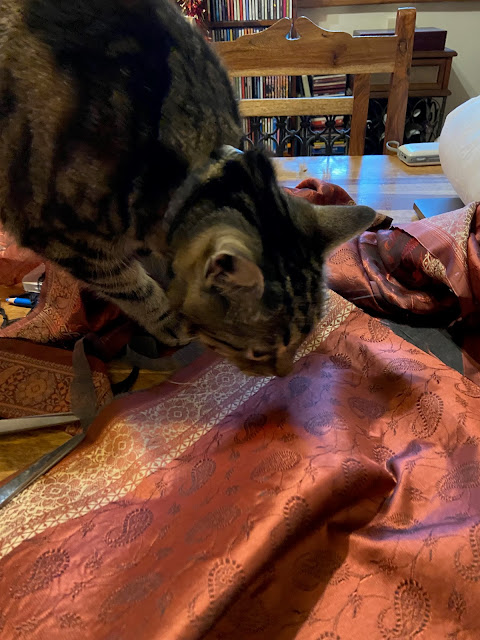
{"type": "Point", "coordinates": [382, 182]}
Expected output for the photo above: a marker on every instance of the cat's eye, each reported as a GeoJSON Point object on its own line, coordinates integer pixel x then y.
{"type": "Point", "coordinates": [258, 355]}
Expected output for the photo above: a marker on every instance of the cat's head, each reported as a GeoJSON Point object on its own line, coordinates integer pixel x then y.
{"type": "Point", "coordinates": [249, 278]}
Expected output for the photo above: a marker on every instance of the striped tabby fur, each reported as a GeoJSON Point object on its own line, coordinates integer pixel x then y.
{"type": "Point", "coordinates": [113, 114]}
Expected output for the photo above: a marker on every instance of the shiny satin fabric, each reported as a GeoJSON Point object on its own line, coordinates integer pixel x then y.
{"type": "Point", "coordinates": [339, 503]}
{"type": "Point", "coordinates": [424, 272]}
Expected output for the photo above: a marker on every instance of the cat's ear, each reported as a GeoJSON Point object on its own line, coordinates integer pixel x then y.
{"type": "Point", "coordinates": [328, 226]}
{"type": "Point", "coordinates": [233, 274]}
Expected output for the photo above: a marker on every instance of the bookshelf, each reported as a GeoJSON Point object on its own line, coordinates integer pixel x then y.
{"type": "Point", "coordinates": [316, 134]}
{"type": "Point", "coordinates": [249, 14]}
{"type": "Point", "coordinates": [229, 24]}
{"type": "Point", "coordinates": [282, 136]}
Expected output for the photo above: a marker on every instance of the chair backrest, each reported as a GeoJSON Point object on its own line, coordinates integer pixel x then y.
{"type": "Point", "coordinates": [315, 51]}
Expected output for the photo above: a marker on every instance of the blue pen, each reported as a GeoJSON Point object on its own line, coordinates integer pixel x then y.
{"type": "Point", "coordinates": [20, 302]}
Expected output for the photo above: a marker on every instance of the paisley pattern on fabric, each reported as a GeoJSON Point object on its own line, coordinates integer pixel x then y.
{"type": "Point", "coordinates": [317, 506]}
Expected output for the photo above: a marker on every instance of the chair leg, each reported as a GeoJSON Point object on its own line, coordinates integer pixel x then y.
{"type": "Point", "coordinates": [361, 99]}
{"type": "Point", "coordinates": [398, 95]}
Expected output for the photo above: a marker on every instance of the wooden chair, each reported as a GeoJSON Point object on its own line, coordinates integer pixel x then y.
{"type": "Point", "coordinates": [315, 51]}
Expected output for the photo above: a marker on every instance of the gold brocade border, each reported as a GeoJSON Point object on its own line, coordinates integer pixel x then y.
{"type": "Point", "coordinates": [47, 323]}
{"type": "Point", "coordinates": [434, 268]}
{"type": "Point", "coordinates": [139, 442]}
{"type": "Point", "coordinates": [457, 225]}
{"type": "Point", "coordinates": [29, 386]}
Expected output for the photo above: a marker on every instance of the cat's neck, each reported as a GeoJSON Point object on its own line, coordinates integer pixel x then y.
{"type": "Point", "coordinates": [211, 169]}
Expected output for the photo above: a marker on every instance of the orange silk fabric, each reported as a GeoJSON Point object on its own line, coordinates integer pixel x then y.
{"type": "Point", "coordinates": [340, 502]}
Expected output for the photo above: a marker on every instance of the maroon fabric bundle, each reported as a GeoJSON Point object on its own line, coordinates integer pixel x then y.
{"type": "Point", "coordinates": [420, 272]}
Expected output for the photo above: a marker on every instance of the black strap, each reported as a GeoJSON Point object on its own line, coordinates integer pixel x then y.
{"type": "Point", "coordinates": [83, 398]}
{"type": "Point", "coordinates": [152, 362]}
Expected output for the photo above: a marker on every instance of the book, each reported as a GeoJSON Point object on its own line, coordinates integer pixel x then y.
{"type": "Point", "coordinates": [429, 207]}
{"type": "Point", "coordinates": [330, 85]}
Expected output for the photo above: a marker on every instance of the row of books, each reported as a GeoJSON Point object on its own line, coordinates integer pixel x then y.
{"type": "Point", "coordinates": [268, 127]}
{"type": "Point", "coordinates": [227, 35]}
{"type": "Point", "coordinates": [330, 85]}
{"type": "Point", "coordinates": [264, 87]}
{"type": "Point", "coordinates": [319, 148]}
{"type": "Point", "coordinates": [320, 122]}
{"type": "Point", "coordinates": [222, 10]}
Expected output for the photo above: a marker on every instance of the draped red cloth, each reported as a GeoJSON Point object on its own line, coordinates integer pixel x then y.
{"type": "Point", "coordinates": [425, 271]}
{"type": "Point", "coordinates": [67, 311]}
{"type": "Point", "coordinates": [341, 502]}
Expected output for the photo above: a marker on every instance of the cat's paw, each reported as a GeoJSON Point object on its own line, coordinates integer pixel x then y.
{"type": "Point", "coordinates": [174, 332]}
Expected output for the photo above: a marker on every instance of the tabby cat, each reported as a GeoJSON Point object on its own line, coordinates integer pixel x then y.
{"type": "Point", "coordinates": [114, 117]}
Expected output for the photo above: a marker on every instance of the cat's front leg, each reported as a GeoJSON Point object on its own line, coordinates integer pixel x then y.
{"type": "Point", "coordinates": [143, 299]}
{"type": "Point", "coordinates": [126, 283]}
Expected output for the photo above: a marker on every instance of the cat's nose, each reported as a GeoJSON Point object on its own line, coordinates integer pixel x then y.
{"type": "Point", "coordinates": [283, 369]}
{"type": "Point", "coordinates": [283, 361]}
